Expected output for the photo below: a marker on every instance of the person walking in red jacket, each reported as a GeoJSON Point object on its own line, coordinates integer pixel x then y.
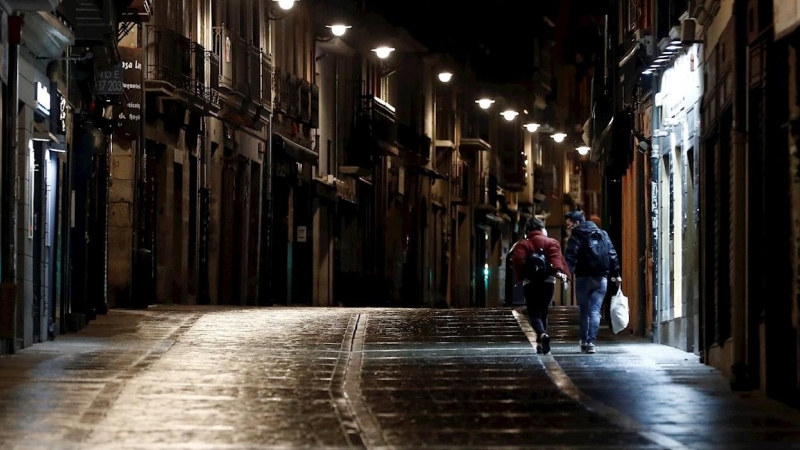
{"type": "Point", "coordinates": [539, 293]}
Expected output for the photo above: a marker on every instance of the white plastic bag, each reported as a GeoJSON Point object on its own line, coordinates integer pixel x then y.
{"type": "Point", "coordinates": [620, 314]}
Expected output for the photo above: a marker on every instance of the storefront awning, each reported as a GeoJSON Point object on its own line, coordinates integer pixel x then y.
{"type": "Point", "coordinates": [294, 150]}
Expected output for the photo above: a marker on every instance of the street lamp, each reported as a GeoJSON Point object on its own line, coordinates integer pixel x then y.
{"type": "Point", "coordinates": [285, 4]}
{"type": "Point", "coordinates": [559, 137]}
{"type": "Point", "coordinates": [532, 127]}
{"type": "Point", "coordinates": [338, 29]}
{"type": "Point", "coordinates": [484, 103]}
{"type": "Point", "coordinates": [383, 52]}
{"type": "Point", "coordinates": [583, 150]}
{"type": "Point", "coordinates": [509, 114]}
{"type": "Point", "coordinates": [445, 77]}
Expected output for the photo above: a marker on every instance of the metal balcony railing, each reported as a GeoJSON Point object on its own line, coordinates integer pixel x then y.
{"type": "Point", "coordinates": [314, 106]}
{"type": "Point", "coordinates": [168, 58]}
{"type": "Point", "coordinates": [378, 118]}
{"type": "Point", "coordinates": [305, 101]}
{"type": "Point", "coordinates": [266, 81]}
{"type": "Point", "coordinates": [459, 181]}
{"type": "Point", "coordinates": [446, 126]}
{"type": "Point", "coordinates": [486, 190]}
{"type": "Point", "coordinates": [180, 64]}
{"type": "Point", "coordinates": [413, 141]}
{"type": "Point", "coordinates": [254, 67]}
{"type": "Point", "coordinates": [212, 70]}
{"type": "Point", "coordinates": [241, 83]}
{"type": "Point", "coordinates": [474, 128]}
{"type": "Point", "coordinates": [290, 94]}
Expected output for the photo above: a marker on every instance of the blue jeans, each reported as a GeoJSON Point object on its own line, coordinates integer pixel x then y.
{"type": "Point", "coordinates": [590, 292]}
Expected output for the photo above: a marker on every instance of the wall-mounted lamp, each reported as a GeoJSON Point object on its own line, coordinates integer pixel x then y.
{"type": "Point", "coordinates": [338, 29]}
{"type": "Point", "coordinates": [509, 114]}
{"type": "Point", "coordinates": [532, 127]}
{"type": "Point", "coordinates": [583, 150]}
{"type": "Point", "coordinates": [484, 103]}
{"type": "Point", "coordinates": [285, 4]}
{"type": "Point", "coordinates": [559, 137]}
{"type": "Point", "coordinates": [445, 77]}
{"type": "Point", "coordinates": [283, 7]}
{"type": "Point", "coordinates": [383, 52]}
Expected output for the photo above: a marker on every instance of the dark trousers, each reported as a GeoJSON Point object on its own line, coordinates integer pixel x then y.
{"type": "Point", "coordinates": [538, 297]}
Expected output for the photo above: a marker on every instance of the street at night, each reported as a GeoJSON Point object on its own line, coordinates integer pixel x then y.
{"type": "Point", "coordinates": [197, 378]}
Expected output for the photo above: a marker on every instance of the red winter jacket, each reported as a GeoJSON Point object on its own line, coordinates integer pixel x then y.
{"type": "Point", "coordinates": [536, 240]}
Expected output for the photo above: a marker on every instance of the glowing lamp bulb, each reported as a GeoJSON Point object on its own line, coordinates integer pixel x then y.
{"type": "Point", "coordinates": [583, 150]}
{"type": "Point", "coordinates": [484, 103]}
{"type": "Point", "coordinates": [509, 115]}
{"type": "Point", "coordinates": [532, 127]}
{"type": "Point", "coordinates": [338, 29]}
{"type": "Point", "coordinates": [383, 52]}
{"type": "Point", "coordinates": [285, 4]}
{"type": "Point", "coordinates": [559, 137]}
{"type": "Point", "coordinates": [445, 77]}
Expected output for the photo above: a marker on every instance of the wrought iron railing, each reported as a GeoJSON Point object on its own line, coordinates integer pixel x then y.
{"type": "Point", "coordinates": [212, 87]}
{"type": "Point", "coordinates": [305, 101]}
{"type": "Point", "coordinates": [314, 106]}
{"type": "Point", "coordinates": [180, 63]}
{"type": "Point", "coordinates": [474, 125]}
{"type": "Point", "coordinates": [266, 81]}
{"type": "Point", "coordinates": [459, 180]}
{"type": "Point", "coordinates": [167, 59]}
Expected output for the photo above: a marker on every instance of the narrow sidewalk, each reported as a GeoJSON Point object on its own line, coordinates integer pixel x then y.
{"type": "Point", "coordinates": [668, 391]}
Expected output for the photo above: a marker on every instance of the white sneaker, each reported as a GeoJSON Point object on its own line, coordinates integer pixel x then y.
{"type": "Point", "coordinates": [583, 346]}
{"type": "Point", "coordinates": [590, 349]}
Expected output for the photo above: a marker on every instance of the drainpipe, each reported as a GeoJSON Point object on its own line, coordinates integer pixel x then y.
{"type": "Point", "coordinates": [66, 223]}
{"type": "Point", "coordinates": [265, 275]}
{"type": "Point", "coordinates": [10, 180]}
{"type": "Point", "coordinates": [655, 158]}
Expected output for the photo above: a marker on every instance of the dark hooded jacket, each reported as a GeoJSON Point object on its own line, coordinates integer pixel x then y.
{"type": "Point", "coordinates": [575, 259]}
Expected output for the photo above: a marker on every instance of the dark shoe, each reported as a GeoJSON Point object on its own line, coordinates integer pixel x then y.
{"type": "Point", "coordinates": [583, 346]}
{"type": "Point", "coordinates": [545, 344]}
{"type": "Point", "coordinates": [538, 349]}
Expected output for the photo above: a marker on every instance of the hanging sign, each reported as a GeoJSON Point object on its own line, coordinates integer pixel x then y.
{"type": "Point", "coordinates": [129, 113]}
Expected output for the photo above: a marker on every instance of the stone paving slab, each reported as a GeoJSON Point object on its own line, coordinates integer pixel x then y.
{"type": "Point", "coordinates": [263, 378]}
{"type": "Point", "coordinates": [669, 391]}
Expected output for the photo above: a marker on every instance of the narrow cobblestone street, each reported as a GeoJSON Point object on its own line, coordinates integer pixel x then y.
{"type": "Point", "coordinates": [236, 378]}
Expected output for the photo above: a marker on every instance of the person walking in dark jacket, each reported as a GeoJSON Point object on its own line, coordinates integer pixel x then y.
{"type": "Point", "coordinates": [538, 293]}
{"type": "Point", "coordinates": [592, 258]}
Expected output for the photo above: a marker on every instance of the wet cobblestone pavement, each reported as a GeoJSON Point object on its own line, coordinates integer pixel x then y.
{"type": "Point", "coordinates": [248, 378]}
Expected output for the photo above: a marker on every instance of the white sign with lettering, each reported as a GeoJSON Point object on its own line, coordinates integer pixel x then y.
{"type": "Point", "coordinates": [43, 98]}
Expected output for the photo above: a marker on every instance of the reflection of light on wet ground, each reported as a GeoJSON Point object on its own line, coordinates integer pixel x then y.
{"type": "Point", "coordinates": [227, 377]}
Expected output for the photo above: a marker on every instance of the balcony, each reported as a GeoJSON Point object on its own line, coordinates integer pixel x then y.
{"type": "Point", "coordinates": [253, 85]}
{"type": "Point", "coordinates": [474, 132]}
{"type": "Point", "coordinates": [266, 82]}
{"type": "Point", "coordinates": [379, 117]}
{"type": "Point", "coordinates": [178, 69]}
{"type": "Point", "coordinates": [486, 192]}
{"type": "Point", "coordinates": [314, 107]}
{"type": "Point", "coordinates": [459, 182]}
{"type": "Point", "coordinates": [290, 95]}
{"type": "Point", "coordinates": [234, 56]}
{"type": "Point", "coordinates": [445, 130]}
{"type": "Point", "coordinates": [413, 142]}
{"type": "Point", "coordinates": [305, 101]}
